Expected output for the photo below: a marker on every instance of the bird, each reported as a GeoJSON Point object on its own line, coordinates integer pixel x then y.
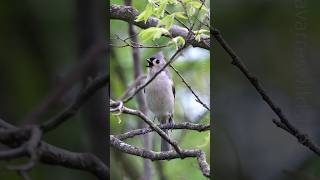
{"type": "Point", "coordinates": [160, 94]}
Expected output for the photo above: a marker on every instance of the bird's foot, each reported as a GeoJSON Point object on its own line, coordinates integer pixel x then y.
{"type": "Point", "coordinates": [171, 123]}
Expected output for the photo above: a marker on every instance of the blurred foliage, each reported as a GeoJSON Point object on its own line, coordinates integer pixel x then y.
{"type": "Point", "coordinates": [38, 47]}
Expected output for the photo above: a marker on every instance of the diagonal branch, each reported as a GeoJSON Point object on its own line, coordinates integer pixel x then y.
{"type": "Point", "coordinates": [168, 155]}
{"type": "Point", "coordinates": [129, 14]}
{"type": "Point", "coordinates": [189, 87]}
{"type": "Point", "coordinates": [72, 109]}
{"type": "Point", "coordinates": [284, 122]}
{"type": "Point", "coordinates": [87, 61]}
{"type": "Point", "coordinates": [116, 106]}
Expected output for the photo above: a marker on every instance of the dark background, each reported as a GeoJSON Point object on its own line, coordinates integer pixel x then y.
{"type": "Point", "coordinates": [279, 43]}
{"type": "Point", "coordinates": [42, 45]}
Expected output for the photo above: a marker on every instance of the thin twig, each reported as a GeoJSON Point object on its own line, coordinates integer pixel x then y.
{"type": "Point", "coordinates": [134, 44]}
{"type": "Point", "coordinates": [189, 87]}
{"type": "Point", "coordinates": [137, 46]}
{"type": "Point", "coordinates": [134, 85]}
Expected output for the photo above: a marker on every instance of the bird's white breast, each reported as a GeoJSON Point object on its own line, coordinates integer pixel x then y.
{"type": "Point", "coordinates": [159, 95]}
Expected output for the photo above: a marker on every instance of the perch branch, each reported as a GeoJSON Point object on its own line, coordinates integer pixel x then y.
{"type": "Point", "coordinates": [154, 156]}
{"type": "Point", "coordinates": [186, 125]}
{"type": "Point", "coordinates": [117, 106]}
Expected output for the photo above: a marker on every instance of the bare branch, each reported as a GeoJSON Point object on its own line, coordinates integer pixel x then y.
{"type": "Point", "coordinates": [134, 85]}
{"type": "Point", "coordinates": [168, 155]}
{"type": "Point", "coordinates": [72, 109]}
{"type": "Point", "coordinates": [134, 44]}
{"type": "Point", "coordinates": [186, 125]}
{"type": "Point", "coordinates": [284, 122]}
{"type": "Point", "coordinates": [189, 87]}
{"type": "Point", "coordinates": [87, 61]}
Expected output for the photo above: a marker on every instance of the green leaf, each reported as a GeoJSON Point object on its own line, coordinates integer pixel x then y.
{"type": "Point", "coordinates": [191, 10]}
{"type": "Point", "coordinates": [201, 31]}
{"type": "Point", "coordinates": [195, 4]}
{"type": "Point", "coordinates": [145, 14]}
{"type": "Point", "coordinates": [152, 33]}
{"type": "Point", "coordinates": [198, 37]}
{"type": "Point", "coordinates": [180, 15]}
{"type": "Point", "coordinates": [186, 1]}
{"type": "Point", "coordinates": [167, 21]}
{"type": "Point", "coordinates": [119, 119]}
{"type": "Point", "coordinates": [178, 42]}
{"type": "Point", "coordinates": [160, 10]}
{"type": "Point", "coordinates": [172, 1]}
{"type": "Point", "coordinates": [205, 142]}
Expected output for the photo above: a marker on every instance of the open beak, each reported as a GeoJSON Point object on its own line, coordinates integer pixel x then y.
{"type": "Point", "coordinates": [150, 64]}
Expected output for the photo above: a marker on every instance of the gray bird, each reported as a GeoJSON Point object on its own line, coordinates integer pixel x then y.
{"type": "Point", "coordinates": [160, 94]}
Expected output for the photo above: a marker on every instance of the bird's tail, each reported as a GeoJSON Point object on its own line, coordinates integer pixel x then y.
{"type": "Point", "coordinates": [165, 146]}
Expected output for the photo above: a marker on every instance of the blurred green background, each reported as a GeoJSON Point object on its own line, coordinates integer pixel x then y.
{"type": "Point", "coordinates": [41, 43]}
{"type": "Point", "coordinates": [279, 42]}
{"type": "Point", "coordinates": [194, 65]}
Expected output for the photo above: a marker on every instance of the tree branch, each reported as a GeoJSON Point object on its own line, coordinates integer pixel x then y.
{"type": "Point", "coordinates": [72, 109]}
{"type": "Point", "coordinates": [284, 122]}
{"type": "Point", "coordinates": [168, 155]}
{"type": "Point", "coordinates": [49, 154]}
{"type": "Point", "coordinates": [87, 61]}
{"type": "Point", "coordinates": [129, 14]}
{"type": "Point", "coordinates": [186, 125]}
{"type": "Point", "coordinates": [189, 87]}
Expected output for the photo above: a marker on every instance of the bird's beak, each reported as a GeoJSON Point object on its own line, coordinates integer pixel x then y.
{"type": "Point", "coordinates": [150, 64]}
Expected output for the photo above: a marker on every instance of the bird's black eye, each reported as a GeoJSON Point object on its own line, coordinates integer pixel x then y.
{"type": "Point", "coordinates": [157, 61]}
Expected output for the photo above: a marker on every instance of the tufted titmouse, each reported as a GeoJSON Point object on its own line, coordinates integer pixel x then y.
{"type": "Point", "coordinates": [160, 94]}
